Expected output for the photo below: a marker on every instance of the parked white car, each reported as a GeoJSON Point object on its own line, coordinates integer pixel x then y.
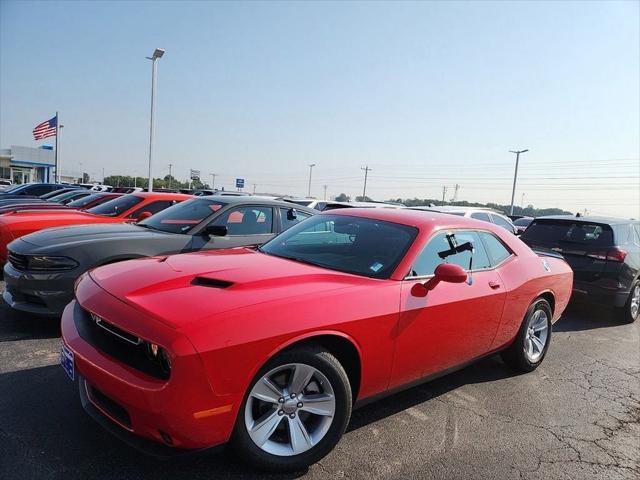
{"type": "Point", "coordinates": [479, 213]}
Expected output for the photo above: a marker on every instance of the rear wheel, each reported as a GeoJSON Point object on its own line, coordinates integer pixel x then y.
{"type": "Point", "coordinates": [631, 310]}
{"type": "Point", "coordinates": [295, 411]}
{"type": "Point", "coordinates": [531, 344]}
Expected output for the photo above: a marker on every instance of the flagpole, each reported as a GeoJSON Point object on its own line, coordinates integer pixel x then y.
{"type": "Point", "coordinates": [56, 158]}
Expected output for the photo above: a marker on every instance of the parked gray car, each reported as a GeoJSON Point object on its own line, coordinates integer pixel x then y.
{"type": "Point", "coordinates": [42, 267]}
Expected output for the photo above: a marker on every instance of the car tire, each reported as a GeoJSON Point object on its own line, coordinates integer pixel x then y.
{"type": "Point", "coordinates": [631, 310]}
{"type": "Point", "coordinates": [321, 433]}
{"type": "Point", "coordinates": [530, 346]}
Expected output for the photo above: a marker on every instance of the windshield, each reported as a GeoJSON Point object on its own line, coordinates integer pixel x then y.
{"type": "Point", "coordinates": [55, 193]}
{"type": "Point", "coordinates": [14, 189]}
{"type": "Point", "coordinates": [83, 202]}
{"type": "Point", "coordinates": [560, 233]}
{"type": "Point", "coordinates": [117, 206]}
{"type": "Point", "coordinates": [184, 216]}
{"type": "Point", "coordinates": [362, 246]}
{"type": "Point", "coordinates": [69, 195]}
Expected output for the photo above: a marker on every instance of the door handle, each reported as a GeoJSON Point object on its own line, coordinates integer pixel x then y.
{"type": "Point", "coordinates": [493, 284]}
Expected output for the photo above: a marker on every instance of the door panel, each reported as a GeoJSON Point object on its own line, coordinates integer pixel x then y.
{"type": "Point", "coordinates": [453, 324]}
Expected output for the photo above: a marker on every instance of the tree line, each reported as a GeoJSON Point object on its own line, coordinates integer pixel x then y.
{"type": "Point", "coordinates": [529, 210]}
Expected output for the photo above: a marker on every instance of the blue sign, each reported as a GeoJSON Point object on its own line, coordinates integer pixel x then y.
{"type": "Point", "coordinates": [239, 182]}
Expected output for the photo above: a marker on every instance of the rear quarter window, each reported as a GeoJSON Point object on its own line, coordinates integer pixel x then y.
{"type": "Point", "coordinates": [498, 251]}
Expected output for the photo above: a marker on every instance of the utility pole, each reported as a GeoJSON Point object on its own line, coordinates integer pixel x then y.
{"type": "Point", "coordinates": [170, 165]}
{"type": "Point", "coordinates": [157, 53]}
{"type": "Point", "coordinates": [522, 200]}
{"type": "Point", "coordinates": [515, 176]}
{"type": "Point", "coordinates": [444, 192]}
{"type": "Point", "coordinates": [213, 181]}
{"type": "Point", "coordinates": [311, 165]}
{"type": "Point", "coordinates": [254, 188]}
{"type": "Point", "coordinates": [455, 193]}
{"type": "Point", "coordinates": [325, 191]}
{"type": "Point", "coordinates": [364, 190]}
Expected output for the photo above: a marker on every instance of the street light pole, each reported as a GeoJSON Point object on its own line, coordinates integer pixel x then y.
{"type": "Point", "coordinates": [515, 176]}
{"type": "Point", "coordinates": [157, 53]}
{"type": "Point", "coordinates": [311, 165]}
{"type": "Point", "coordinates": [213, 181]}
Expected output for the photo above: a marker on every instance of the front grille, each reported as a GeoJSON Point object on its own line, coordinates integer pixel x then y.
{"type": "Point", "coordinates": [19, 262]}
{"type": "Point", "coordinates": [116, 343]}
{"type": "Point", "coordinates": [109, 406]}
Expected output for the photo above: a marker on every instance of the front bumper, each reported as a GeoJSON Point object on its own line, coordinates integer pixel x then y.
{"type": "Point", "coordinates": [42, 293]}
{"type": "Point", "coordinates": [597, 294]}
{"type": "Point", "coordinates": [181, 413]}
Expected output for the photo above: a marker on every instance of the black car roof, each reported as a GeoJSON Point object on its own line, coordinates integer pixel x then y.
{"type": "Point", "coordinates": [589, 219]}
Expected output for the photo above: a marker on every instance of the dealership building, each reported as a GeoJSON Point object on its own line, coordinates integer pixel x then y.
{"type": "Point", "coordinates": [27, 164]}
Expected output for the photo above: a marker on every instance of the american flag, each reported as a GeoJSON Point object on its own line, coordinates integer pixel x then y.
{"type": "Point", "coordinates": [45, 129]}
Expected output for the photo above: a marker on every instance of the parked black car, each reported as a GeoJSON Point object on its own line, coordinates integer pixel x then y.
{"type": "Point", "coordinates": [42, 267]}
{"type": "Point", "coordinates": [603, 252]}
{"type": "Point", "coordinates": [32, 189]}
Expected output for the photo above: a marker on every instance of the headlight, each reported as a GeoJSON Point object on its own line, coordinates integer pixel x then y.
{"type": "Point", "coordinates": [159, 355]}
{"type": "Point", "coordinates": [43, 262]}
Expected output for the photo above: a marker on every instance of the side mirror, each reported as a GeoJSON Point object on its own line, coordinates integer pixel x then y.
{"type": "Point", "coordinates": [215, 230]}
{"type": "Point", "coordinates": [445, 272]}
{"type": "Point", "coordinates": [292, 214]}
{"type": "Point", "coordinates": [144, 215]}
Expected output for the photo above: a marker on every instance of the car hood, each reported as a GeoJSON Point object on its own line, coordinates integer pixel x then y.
{"type": "Point", "coordinates": [76, 235]}
{"type": "Point", "coordinates": [203, 285]}
{"type": "Point", "coordinates": [54, 214]}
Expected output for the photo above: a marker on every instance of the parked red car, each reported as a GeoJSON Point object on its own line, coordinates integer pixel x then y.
{"type": "Point", "coordinates": [126, 208]}
{"type": "Point", "coordinates": [270, 348]}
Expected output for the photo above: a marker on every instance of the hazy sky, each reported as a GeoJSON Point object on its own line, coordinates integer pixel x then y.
{"type": "Point", "coordinates": [427, 94]}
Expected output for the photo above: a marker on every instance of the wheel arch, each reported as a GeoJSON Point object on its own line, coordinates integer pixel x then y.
{"type": "Point", "coordinates": [339, 344]}
{"type": "Point", "coordinates": [550, 298]}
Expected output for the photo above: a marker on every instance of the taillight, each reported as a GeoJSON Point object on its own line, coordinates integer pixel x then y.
{"type": "Point", "coordinates": [613, 255]}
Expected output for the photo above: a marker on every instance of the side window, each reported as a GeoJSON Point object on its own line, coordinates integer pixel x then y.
{"type": "Point", "coordinates": [481, 216]}
{"type": "Point", "coordinates": [497, 250]}
{"type": "Point", "coordinates": [286, 222]}
{"type": "Point", "coordinates": [153, 208]}
{"type": "Point", "coordinates": [440, 249]}
{"type": "Point", "coordinates": [247, 221]}
{"type": "Point", "coordinates": [501, 222]}
{"type": "Point", "coordinates": [38, 190]}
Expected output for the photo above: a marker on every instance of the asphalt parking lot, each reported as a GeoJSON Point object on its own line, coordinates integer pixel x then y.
{"type": "Point", "coordinates": [577, 416]}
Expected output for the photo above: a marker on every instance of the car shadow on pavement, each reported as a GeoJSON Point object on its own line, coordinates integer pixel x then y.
{"type": "Point", "coordinates": [44, 429]}
{"type": "Point", "coordinates": [44, 433]}
{"type": "Point", "coordinates": [487, 370]}
{"type": "Point", "coordinates": [22, 326]}
{"type": "Point", "coordinates": [582, 316]}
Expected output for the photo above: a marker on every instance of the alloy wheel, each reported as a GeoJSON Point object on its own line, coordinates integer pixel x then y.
{"type": "Point", "coordinates": [536, 336]}
{"type": "Point", "coordinates": [634, 305]}
{"type": "Point", "coordinates": [290, 409]}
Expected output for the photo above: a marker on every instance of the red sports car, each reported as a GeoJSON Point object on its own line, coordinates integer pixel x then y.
{"type": "Point", "coordinates": [125, 208]}
{"type": "Point", "coordinates": [270, 349]}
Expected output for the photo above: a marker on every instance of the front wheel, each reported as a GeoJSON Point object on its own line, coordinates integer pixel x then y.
{"type": "Point", "coordinates": [530, 346]}
{"type": "Point", "coordinates": [295, 411]}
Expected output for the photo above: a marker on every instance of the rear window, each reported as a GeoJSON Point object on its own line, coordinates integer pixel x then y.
{"type": "Point", "coordinates": [562, 233]}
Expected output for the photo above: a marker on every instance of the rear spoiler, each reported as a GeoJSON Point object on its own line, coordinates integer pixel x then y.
{"type": "Point", "coordinates": [546, 252]}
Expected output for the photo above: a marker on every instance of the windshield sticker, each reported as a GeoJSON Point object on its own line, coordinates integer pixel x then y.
{"type": "Point", "coordinates": [376, 267]}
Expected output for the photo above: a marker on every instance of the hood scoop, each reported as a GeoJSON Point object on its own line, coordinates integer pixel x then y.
{"type": "Point", "coordinates": [210, 282]}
